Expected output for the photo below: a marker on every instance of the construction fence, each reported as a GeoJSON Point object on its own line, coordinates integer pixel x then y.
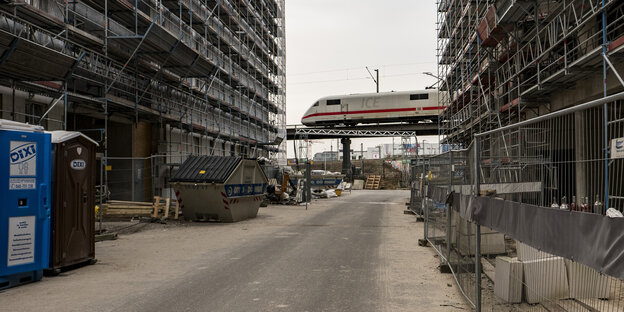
{"type": "Point", "coordinates": [133, 182]}
{"type": "Point", "coordinates": [528, 217]}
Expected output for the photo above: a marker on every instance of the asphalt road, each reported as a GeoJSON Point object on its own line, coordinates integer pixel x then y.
{"type": "Point", "coordinates": [354, 253]}
{"type": "Point", "coordinates": [326, 263]}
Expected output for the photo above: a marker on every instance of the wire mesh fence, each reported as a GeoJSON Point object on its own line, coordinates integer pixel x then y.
{"type": "Point", "coordinates": [139, 179]}
{"type": "Point", "coordinates": [417, 174]}
{"type": "Point", "coordinates": [528, 218]}
{"type": "Point", "coordinates": [436, 213]}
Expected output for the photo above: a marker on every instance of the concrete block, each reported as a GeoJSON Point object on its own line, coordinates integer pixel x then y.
{"type": "Point", "coordinates": [528, 253]}
{"type": "Point", "coordinates": [358, 185]}
{"type": "Point", "coordinates": [586, 282]}
{"type": "Point", "coordinates": [508, 279]}
{"type": "Point", "coordinates": [545, 280]}
{"type": "Point", "coordinates": [491, 244]}
{"type": "Point", "coordinates": [466, 228]}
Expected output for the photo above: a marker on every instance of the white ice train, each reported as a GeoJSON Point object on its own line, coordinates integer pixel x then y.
{"type": "Point", "coordinates": [373, 108]}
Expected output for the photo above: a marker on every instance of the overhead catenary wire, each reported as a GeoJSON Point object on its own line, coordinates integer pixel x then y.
{"type": "Point", "coordinates": [359, 68]}
{"type": "Point", "coordinates": [353, 79]}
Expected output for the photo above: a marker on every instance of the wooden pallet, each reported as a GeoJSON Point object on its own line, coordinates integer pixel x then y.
{"type": "Point", "coordinates": [160, 208]}
{"type": "Point", "coordinates": [162, 205]}
{"type": "Point", "coordinates": [372, 182]}
{"type": "Point", "coordinates": [119, 209]}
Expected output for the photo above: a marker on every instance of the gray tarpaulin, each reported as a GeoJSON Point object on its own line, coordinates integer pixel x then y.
{"type": "Point", "coordinates": [437, 193]}
{"type": "Point", "coordinates": [594, 240]}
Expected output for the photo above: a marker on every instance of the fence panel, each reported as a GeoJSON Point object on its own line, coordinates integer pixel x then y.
{"type": "Point", "coordinates": [564, 168]}
{"type": "Point", "coordinates": [417, 173]}
{"type": "Point", "coordinates": [527, 206]}
{"type": "Point", "coordinates": [129, 179]}
{"type": "Point", "coordinates": [437, 175]}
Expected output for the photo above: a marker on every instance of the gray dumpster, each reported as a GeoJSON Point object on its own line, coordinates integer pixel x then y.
{"type": "Point", "coordinates": [219, 188]}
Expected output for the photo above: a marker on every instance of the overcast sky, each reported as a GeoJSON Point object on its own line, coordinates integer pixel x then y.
{"type": "Point", "coordinates": [329, 44]}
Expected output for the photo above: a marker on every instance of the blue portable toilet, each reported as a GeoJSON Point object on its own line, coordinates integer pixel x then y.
{"type": "Point", "coordinates": [25, 203]}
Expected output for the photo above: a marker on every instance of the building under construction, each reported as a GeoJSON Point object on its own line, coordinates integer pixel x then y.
{"type": "Point", "coordinates": [151, 80]}
{"type": "Point", "coordinates": [501, 62]}
{"type": "Point", "coordinates": [533, 93]}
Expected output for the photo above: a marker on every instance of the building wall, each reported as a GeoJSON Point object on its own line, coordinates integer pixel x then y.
{"type": "Point", "coordinates": [141, 151]}
{"type": "Point", "coordinates": [510, 73]}
{"type": "Point", "coordinates": [29, 107]}
{"type": "Point", "coordinates": [121, 174]}
{"type": "Point", "coordinates": [151, 105]}
{"type": "Point", "coordinates": [587, 89]}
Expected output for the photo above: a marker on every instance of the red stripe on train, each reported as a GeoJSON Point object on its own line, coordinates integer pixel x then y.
{"type": "Point", "coordinates": [391, 110]}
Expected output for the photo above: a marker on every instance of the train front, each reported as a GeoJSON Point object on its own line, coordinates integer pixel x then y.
{"type": "Point", "coordinates": [310, 116]}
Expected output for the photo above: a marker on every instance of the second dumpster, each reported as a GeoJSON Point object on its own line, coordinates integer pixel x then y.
{"type": "Point", "coordinates": [219, 188]}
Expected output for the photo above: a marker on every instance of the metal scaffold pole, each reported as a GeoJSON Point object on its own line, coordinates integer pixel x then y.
{"type": "Point", "coordinates": [477, 184]}
{"type": "Point", "coordinates": [150, 63]}
{"type": "Point", "coordinates": [448, 215]}
{"type": "Point", "coordinates": [604, 107]}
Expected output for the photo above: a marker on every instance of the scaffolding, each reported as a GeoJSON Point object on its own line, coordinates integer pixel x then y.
{"type": "Point", "coordinates": [544, 77]}
{"type": "Point", "coordinates": [505, 61]}
{"type": "Point", "coordinates": [208, 75]}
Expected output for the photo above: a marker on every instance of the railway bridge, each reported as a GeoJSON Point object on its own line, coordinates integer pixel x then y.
{"type": "Point", "coordinates": [346, 133]}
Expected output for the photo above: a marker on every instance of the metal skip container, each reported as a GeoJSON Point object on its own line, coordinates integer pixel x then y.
{"type": "Point", "coordinates": [73, 215]}
{"type": "Point", "coordinates": [25, 203]}
{"type": "Point", "coordinates": [219, 188]}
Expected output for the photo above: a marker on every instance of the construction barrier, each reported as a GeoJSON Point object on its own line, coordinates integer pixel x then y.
{"type": "Point", "coordinates": [528, 217]}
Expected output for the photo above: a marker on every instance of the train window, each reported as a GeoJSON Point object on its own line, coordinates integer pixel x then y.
{"type": "Point", "coordinates": [316, 104]}
{"type": "Point", "coordinates": [333, 102]}
{"type": "Point", "coordinates": [422, 96]}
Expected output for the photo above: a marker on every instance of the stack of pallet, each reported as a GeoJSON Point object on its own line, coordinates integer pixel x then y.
{"type": "Point", "coordinates": [118, 209]}
{"type": "Point", "coordinates": [373, 182]}
{"type": "Point", "coordinates": [160, 208]}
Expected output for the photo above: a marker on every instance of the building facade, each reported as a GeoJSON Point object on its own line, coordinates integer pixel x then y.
{"type": "Point", "coordinates": [538, 86]}
{"type": "Point", "coordinates": [502, 62]}
{"type": "Point", "coordinates": [326, 156]}
{"type": "Point", "coordinates": [153, 81]}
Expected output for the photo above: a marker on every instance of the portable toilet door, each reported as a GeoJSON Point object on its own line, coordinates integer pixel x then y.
{"type": "Point", "coordinates": [73, 213]}
{"type": "Point", "coordinates": [25, 204]}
